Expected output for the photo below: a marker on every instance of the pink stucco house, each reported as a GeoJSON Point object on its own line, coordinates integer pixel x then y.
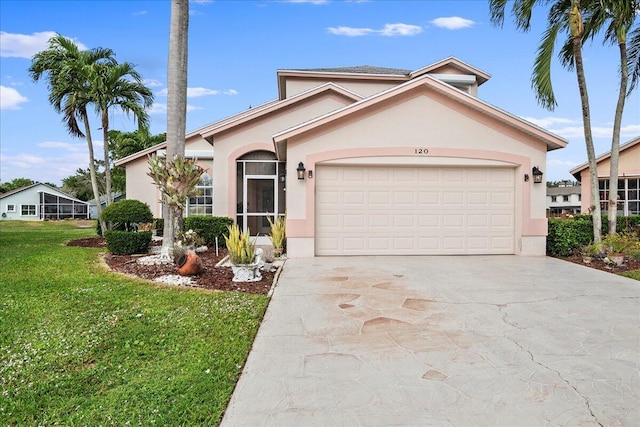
{"type": "Point", "coordinates": [373, 161]}
{"type": "Point", "coordinates": [628, 179]}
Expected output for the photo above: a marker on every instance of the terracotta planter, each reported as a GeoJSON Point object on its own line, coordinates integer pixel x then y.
{"type": "Point", "coordinates": [277, 253]}
{"type": "Point", "coordinates": [189, 264]}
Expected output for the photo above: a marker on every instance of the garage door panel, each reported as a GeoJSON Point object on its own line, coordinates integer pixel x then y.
{"type": "Point", "coordinates": [414, 210]}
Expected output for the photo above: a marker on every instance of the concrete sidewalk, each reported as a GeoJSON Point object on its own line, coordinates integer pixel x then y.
{"type": "Point", "coordinates": [447, 341]}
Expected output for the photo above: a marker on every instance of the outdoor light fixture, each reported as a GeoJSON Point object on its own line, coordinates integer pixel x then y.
{"type": "Point", "coordinates": [537, 175]}
{"type": "Point", "coordinates": [310, 173]}
{"type": "Point", "coordinates": [283, 176]}
{"type": "Point", "coordinates": [300, 170]}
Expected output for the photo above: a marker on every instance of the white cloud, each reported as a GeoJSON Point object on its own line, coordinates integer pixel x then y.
{"type": "Point", "coordinates": [545, 122]}
{"type": "Point", "coordinates": [196, 92]}
{"type": "Point", "coordinates": [389, 30]}
{"type": "Point", "coordinates": [453, 23]}
{"type": "Point", "coordinates": [160, 108]}
{"type": "Point", "coordinates": [350, 31]}
{"type": "Point", "coordinates": [628, 131]}
{"type": "Point", "coordinates": [43, 168]}
{"type": "Point", "coordinates": [569, 164]}
{"type": "Point", "coordinates": [25, 45]}
{"type": "Point", "coordinates": [400, 30]}
{"type": "Point", "coordinates": [10, 99]}
{"type": "Point", "coordinates": [140, 13]}
{"type": "Point", "coordinates": [152, 83]}
{"type": "Point", "coordinates": [67, 146]}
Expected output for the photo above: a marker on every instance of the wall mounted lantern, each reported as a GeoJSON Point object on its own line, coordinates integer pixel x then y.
{"type": "Point", "coordinates": [300, 170]}
{"type": "Point", "coordinates": [537, 175]}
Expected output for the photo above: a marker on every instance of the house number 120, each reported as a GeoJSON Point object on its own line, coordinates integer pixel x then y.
{"type": "Point", "coordinates": [421, 151]}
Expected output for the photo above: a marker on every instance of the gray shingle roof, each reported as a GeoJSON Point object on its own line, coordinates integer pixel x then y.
{"type": "Point", "coordinates": [563, 191]}
{"type": "Point", "coordinates": [359, 69]}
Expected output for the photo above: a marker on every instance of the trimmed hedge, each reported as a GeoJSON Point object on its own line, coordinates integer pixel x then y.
{"type": "Point", "coordinates": [128, 243]}
{"type": "Point", "coordinates": [568, 235]}
{"type": "Point", "coordinates": [126, 214]}
{"type": "Point", "coordinates": [209, 227]}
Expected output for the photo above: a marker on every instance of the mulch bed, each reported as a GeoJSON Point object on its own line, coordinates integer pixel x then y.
{"type": "Point", "coordinates": [630, 264]}
{"type": "Point", "coordinates": [212, 277]}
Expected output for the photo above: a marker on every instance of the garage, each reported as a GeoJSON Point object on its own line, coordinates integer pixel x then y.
{"type": "Point", "coordinates": [414, 210]}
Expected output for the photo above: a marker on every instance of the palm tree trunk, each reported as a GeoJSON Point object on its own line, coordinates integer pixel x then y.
{"type": "Point", "coordinates": [107, 164]}
{"type": "Point", "coordinates": [576, 26]}
{"type": "Point", "coordinates": [615, 140]}
{"type": "Point", "coordinates": [92, 168]}
{"type": "Point", "coordinates": [176, 108]}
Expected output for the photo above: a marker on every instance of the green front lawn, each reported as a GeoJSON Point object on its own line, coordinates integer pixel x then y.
{"type": "Point", "coordinates": [635, 274]}
{"type": "Point", "coordinates": [82, 346]}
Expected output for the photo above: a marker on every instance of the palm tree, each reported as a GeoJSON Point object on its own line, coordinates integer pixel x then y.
{"type": "Point", "coordinates": [617, 17]}
{"type": "Point", "coordinates": [117, 86]}
{"type": "Point", "coordinates": [67, 71]}
{"type": "Point", "coordinates": [176, 108]}
{"type": "Point", "coordinates": [565, 16]}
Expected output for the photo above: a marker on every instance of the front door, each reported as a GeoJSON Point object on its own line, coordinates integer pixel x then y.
{"type": "Point", "coordinates": [259, 199]}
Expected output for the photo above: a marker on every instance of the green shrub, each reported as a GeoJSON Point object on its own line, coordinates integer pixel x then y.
{"type": "Point", "coordinates": [567, 235]}
{"type": "Point", "coordinates": [125, 215]}
{"type": "Point", "coordinates": [127, 243]}
{"type": "Point", "coordinates": [209, 227]}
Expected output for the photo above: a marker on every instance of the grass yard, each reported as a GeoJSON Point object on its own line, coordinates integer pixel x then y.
{"type": "Point", "coordinates": [635, 274]}
{"type": "Point", "coordinates": [82, 346]}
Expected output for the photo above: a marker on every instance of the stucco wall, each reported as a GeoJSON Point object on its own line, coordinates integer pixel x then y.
{"type": "Point", "coordinates": [394, 130]}
{"type": "Point", "coordinates": [362, 88]}
{"type": "Point", "coordinates": [257, 135]}
{"type": "Point", "coordinates": [628, 166]}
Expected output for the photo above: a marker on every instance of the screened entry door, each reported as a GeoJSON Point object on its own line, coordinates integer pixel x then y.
{"type": "Point", "coordinates": [259, 198]}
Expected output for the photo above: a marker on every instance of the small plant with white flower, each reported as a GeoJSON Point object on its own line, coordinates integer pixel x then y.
{"type": "Point", "coordinates": [190, 239]}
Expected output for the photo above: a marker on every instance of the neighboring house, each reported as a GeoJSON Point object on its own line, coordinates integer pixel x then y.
{"type": "Point", "coordinates": [93, 210]}
{"type": "Point", "coordinates": [40, 201]}
{"type": "Point", "coordinates": [563, 201]}
{"type": "Point", "coordinates": [373, 161]}
{"type": "Point", "coordinates": [628, 179]}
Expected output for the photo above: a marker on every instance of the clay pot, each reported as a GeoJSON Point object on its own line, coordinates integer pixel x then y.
{"type": "Point", "coordinates": [189, 264]}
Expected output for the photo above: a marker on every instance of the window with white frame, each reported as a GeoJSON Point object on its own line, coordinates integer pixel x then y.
{"type": "Point", "coordinates": [28, 210]}
{"type": "Point", "coordinates": [202, 202]}
{"type": "Point", "coordinates": [565, 198]}
{"type": "Point", "coordinates": [628, 195]}
{"type": "Point", "coordinates": [11, 208]}
{"type": "Point", "coordinates": [554, 199]}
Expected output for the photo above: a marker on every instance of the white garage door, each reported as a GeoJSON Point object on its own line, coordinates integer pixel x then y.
{"type": "Point", "coordinates": [381, 210]}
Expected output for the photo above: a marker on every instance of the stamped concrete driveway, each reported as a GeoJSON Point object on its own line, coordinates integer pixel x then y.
{"type": "Point", "coordinates": [447, 341]}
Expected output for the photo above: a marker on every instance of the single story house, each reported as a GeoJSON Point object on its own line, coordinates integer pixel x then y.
{"type": "Point", "coordinates": [93, 210]}
{"type": "Point", "coordinates": [563, 200]}
{"type": "Point", "coordinates": [40, 201]}
{"type": "Point", "coordinates": [628, 179]}
{"type": "Point", "coordinates": [373, 161]}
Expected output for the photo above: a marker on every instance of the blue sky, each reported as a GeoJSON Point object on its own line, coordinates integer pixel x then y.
{"type": "Point", "coordinates": [236, 47]}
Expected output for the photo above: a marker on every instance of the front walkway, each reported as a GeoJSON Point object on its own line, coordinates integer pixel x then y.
{"type": "Point", "coordinates": [447, 341]}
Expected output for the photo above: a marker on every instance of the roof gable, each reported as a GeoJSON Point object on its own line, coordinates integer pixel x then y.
{"type": "Point", "coordinates": [275, 107]}
{"type": "Point", "coordinates": [465, 68]}
{"type": "Point", "coordinates": [577, 171]}
{"type": "Point", "coordinates": [551, 140]}
{"type": "Point", "coordinates": [44, 189]}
